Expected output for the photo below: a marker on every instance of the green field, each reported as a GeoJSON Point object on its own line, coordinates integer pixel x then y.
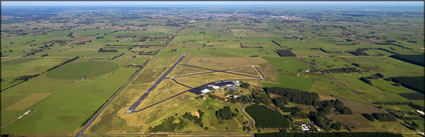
{"type": "Point", "coordinates": [83, 69]}
{"type": "Point", "coordinates": [336, 50]}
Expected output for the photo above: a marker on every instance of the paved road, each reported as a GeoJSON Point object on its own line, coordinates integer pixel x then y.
{"type": "Point", "coordinates": [219, 71]}
{"type": "Point", "coordinates": [156, 103]}
{"type": "Point", "coordinates": [107, 103]}
{"type": "Point", "coordinates": [184, 85]}
{"type": "Point", "coordinates": [160, 101]}
{"type": "Point", "coordinates": [134, 106]}
{"type": "Point", "coordinates": [214, 71]}
{"type": "Point", "coordinates": [249, 118]}
{"type": "Point", "coordinates": [259, 71]}
{"type": "Point", "coordinates": [80, 133]}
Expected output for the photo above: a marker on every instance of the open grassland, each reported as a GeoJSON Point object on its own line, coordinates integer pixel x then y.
{"type": "Point", "coordinates": [83, 69]}
{"type": "Point", "coordinates": [75, 100]}
{"type": "Point", "coordinates": [13, 68]}
{"type": "Point", "coordinates": [70, 94]}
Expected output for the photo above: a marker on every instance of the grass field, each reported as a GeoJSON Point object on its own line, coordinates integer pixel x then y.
{"type": "Point", "coordinates": [83, 69]}
{"type": "Point", "coordinates": [75, 100]}
{"type": "Point", "coordinates": [219, 38]}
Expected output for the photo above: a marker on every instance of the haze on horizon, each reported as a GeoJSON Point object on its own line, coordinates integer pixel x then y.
{"type": "Point", "coordinates": [410, 4]}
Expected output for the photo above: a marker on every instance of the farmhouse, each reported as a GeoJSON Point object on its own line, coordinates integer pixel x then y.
{"type": "Point", "coordinates": [305, 127]}
{"type": "Point", "coordinates": [420, 112]}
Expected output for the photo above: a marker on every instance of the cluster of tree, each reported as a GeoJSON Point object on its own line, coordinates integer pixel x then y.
{"type": "Point", "coordinates": [44, 55]}
{"type": "Point", "coordinates": [323, 122]}
{"type": "Point", "coordinates": [243, 46]}
{"type": "Point", "coordinates": [411, 41]}
{"type": "Point", "coordinates": [414, 125]}
{"type": "Point", "coordinates": [261, 97]}
{"type": "Point", "coordinates": [384, 117]}
{"type": "Point", "coordinates": [293, 95]}
{"type": "Point", "coordinates": [276, 43]}
{"type": "Point", "coordinates": [70, 35]}
{"type": "Point", "coordinates": [33, 52]}
{"type": "Point", "coordinates": [389, 51]}
{"type": "Point", "coordinates": [391, 103]}
{"type": "Point", "coordinates": [225, 113]}
{"type": "Point", "coordinates": [147, 53]}
{"type": "Point", "coordinates": [376, 76]}
{"type": "Point", "coordinates": [286, 53]}
{"type": "Point", "coordinates": [419, 107]}
{"type": "Point", "coordinates": [63, 63]}
{"type": "Point", "coordinates": [107, 50]}
{"type": "Point", "coordinates": [133, 66]}
{"type": "Point", "coordinates": [196, 119]}
{"type": "Point", "coordinates": [340, 70]}
{"type": "Point", "coordinates": [359, 52]}
{"type": "Point", "coordinates": [267, 118]}
{"type": "Point", "coordinates": [244, 85]}
{"type": "Point", "coordinates": [326, 51]}
{"type": "Point", "coordinates": [329, 134]}
{"type": "Point", "coordinates": [366, 80]}
{"type": "Point", "coordinates": [402, 47]}
{"type": "Point", "coordinates": [117, 56]}
{"type": "Point", "coordinates": [338, 105]}
{"type": "Point", "coordinates": [414, 83]}
{"type": "Point", "coordinates": [290, 109]}
{"type": "Point", "coordinates": [412, 96]}
{"type": "Point", "coordinates": [299, 114]}
{"type": "Point", "coordinates": [242, 99]}
{"type": "Point", "coordinates": [414, 59]}
{"type": "Point", "coordinates": [168, 125]}
{"type": "Point", "coordinates": [26, 77]}
{"type": "Point", "coordinates": [404, 115]}
{"type": "Point", "coordinates": [368, 116]}
{"type": "Point", "coordinates": [324, 108]}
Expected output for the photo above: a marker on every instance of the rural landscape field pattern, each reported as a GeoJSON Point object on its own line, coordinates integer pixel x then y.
{"type": "Point", "coordinates": [212, 71]}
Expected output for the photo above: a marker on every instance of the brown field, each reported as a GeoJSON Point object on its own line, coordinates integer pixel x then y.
{"type": "Point", "coordinates": [86, 39]}
{"type": "Point", "coordinates": [164, 90]}
{"type": "Point", "coordinates": [357, 107]}
{"type": "Point", "coordinates": [324, 97]}
{"type": "Point", "coordinates": [269, 72]}
{"type": "Point", "coordinates": [223, 62]}
{"type": "Point", "coordinates": [180, 70]}
{"type": "Point", "coordinates": [306, 108]}
{"type": "Point", "coordinates": [28, 101]}
{"type": "Point", "coordinates": [198, 80]}
{"type": "Point", "coordinates": [248, 71]}
{"type": "Point", "coordinates": [239, 30]}
{"type": "Point", "coordinates": [355, 121]}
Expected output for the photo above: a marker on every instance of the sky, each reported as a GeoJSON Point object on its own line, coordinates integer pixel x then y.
{"type": "Point", "coordinates": [210, 3]}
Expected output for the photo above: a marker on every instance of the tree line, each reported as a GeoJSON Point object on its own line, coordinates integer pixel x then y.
{"type": "Point", "coordinates": [225, 113]}
{"type": "Point", "coordinates": [267, 118]}
{"type": "Point", "coordinates": [196, 119]}
{"type": "Point", "coordinates": [63, 63]}
{"type": "Point", "coordinates": [329, 134]}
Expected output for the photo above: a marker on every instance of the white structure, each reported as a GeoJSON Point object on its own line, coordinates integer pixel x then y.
{"type": "Point", "coordinates": [305, 127]}
{"type": "Point", "coordinates": [214, 86]}
{"type": "Point", "coordinates": [420, 112]}
{"type": "Point", "coordinates": [205, 91]}
{"type": "Point", "coordinates": [26, 113]}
